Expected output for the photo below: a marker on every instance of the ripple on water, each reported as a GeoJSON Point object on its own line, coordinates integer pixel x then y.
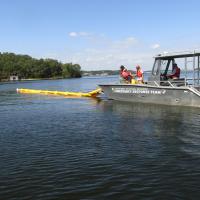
{"type": "Point", "coordinates": [58, 148]}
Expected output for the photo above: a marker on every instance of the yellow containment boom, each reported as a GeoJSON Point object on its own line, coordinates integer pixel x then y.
{"type": "Point", "coordinates": [93, 93]}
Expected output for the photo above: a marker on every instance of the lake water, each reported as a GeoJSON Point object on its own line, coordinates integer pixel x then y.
{"type": "Point", "coordinates": [71, 148]}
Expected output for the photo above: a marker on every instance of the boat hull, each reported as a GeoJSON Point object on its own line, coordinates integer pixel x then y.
{"type": "Point", "coordinates": [179, 96]}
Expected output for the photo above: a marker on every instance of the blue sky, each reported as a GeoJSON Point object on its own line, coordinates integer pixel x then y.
{"type": "Point", "coordinates": [99, 34]}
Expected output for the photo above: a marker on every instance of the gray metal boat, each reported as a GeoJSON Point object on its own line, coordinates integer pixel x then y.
{"type": "Point", "coordinates": [184, 91]}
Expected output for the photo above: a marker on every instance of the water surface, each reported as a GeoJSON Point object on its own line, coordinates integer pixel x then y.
{"type": "Point", "coordinates": [64, 148]}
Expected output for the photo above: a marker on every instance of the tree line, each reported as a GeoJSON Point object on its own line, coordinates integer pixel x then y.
{"type": "Point", "coordinates": [26, 67]}
{"type": "Point", "coordinates": [100, 72]}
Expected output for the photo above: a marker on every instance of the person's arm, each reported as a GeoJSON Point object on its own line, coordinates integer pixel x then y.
{"type": "Point", "coordinates": [171, 75]}
{"type": "Point", "coordinates": [142, 75]}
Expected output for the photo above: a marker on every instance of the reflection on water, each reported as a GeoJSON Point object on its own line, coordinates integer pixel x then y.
{"type": "Point", "coordinates": [180, 123]}
{"type": "Point", "coordinates": [62, 148]}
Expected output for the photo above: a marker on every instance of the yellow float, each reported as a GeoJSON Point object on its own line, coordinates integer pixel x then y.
{"type": "Point", "coordinates": [93, 93]}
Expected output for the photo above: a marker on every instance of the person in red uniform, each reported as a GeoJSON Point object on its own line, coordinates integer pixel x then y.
{"type": "Point", "coordinates": [175, 72]}
{"type": "Point", "coordinates": [125, 74]}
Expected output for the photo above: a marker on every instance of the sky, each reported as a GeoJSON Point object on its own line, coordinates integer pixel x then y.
{"type": "Point", "coordinates": [99, 34]}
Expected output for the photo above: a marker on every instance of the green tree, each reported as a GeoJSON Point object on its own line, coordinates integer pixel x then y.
{"type": "Point", "coordinates": [28, 67]}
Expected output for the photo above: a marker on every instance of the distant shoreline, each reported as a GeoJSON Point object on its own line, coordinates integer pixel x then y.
{"type": "Point", "coordinates": [31, 79]}
{"type": "Point", "coordinates": [88, 74]}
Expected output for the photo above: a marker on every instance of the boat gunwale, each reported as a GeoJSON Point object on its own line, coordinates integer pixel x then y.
{"type": "Point", "coordinates": [150, 86]}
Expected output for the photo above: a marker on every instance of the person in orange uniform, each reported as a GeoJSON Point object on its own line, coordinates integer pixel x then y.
{"type": "Point", "coordinates": [139, 74]}
{"type": "Point", "coordinates": [125, 74]}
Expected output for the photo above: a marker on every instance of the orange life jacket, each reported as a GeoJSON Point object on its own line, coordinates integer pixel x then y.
{"type": "Point", "coordinates": [139, 73]}
{"type": "Point", "coordinates": [125, 74]}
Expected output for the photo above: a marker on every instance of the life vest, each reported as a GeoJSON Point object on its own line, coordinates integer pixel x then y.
{"type": "Point", "coordinates": [139, 73]}
{"type": "Point", "coordinates": [125, 74]}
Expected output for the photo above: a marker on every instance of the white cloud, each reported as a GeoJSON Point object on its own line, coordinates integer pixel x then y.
{"type": "Point", "coordinates": [111, 59]}
{"type": "Point", "coordinates": [101, 52]}
{"type": "Point", "coordinates": [79, 34]}
{"type": "Point", "coordinates": [125, 43]}
{"type": "Point", "coordinates": [155, 46]}
{"type": "Point", "coordinates": [73, 34]}
{"type": "Point", "coordinates": [84, 34]}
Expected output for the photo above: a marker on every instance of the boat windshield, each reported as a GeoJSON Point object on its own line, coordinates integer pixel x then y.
{"type": "Point", "coordinates": [156, 67]}
{"type": "Point", "coordinates": [161, 66]}
{"type": "Point", "coordinates": [166, 66]}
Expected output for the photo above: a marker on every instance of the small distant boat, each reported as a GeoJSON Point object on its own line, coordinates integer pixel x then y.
{"type": "Point", "coordinates": [184, 91]}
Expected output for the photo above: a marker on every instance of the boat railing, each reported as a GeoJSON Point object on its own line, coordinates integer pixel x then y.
{"type": "Point", "coordinates": [175, 83]}
{"type": "Point", "coordinates": [170, 83]}
{"type": "Point", "coordinates": [195, 63]}
{"type": "Point", "coordinates": [194, 90]}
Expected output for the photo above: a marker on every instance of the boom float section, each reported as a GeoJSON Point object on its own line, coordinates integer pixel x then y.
{"type": "Point", "coordinates": [93, 93]}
